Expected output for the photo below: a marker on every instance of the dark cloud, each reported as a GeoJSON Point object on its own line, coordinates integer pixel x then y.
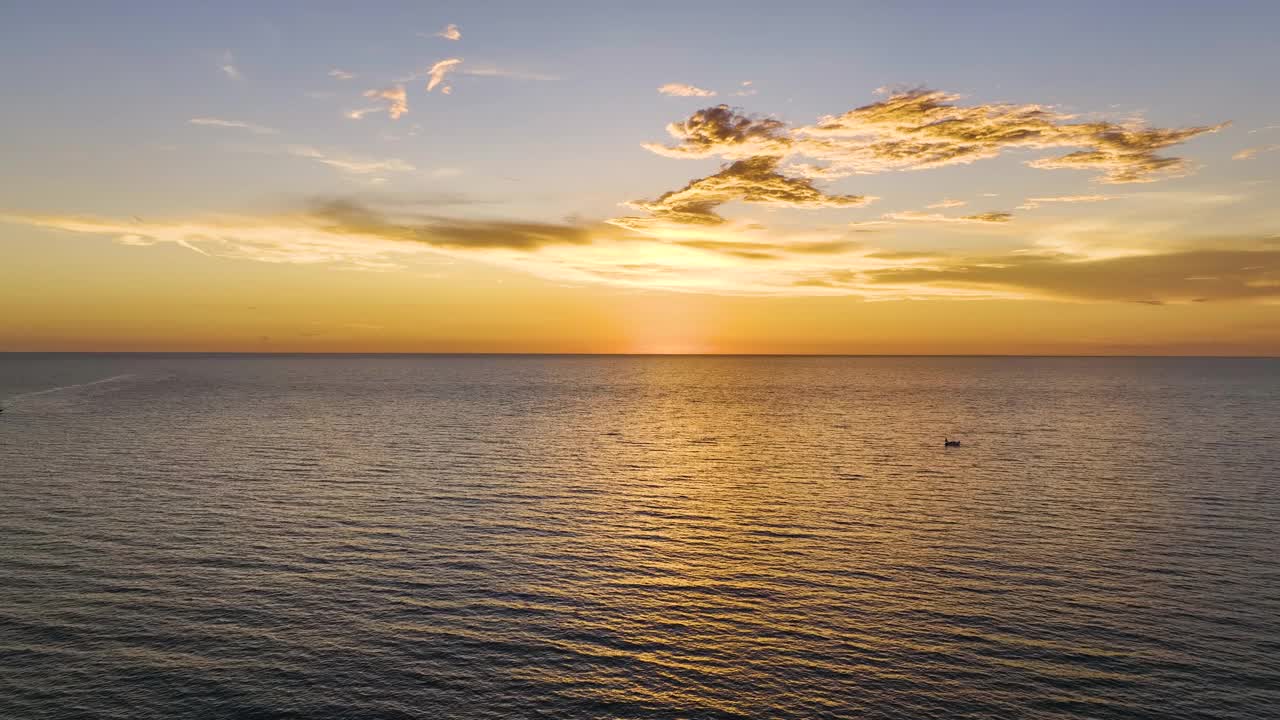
{"type": "Point", "coordinates": [911, 130]}
{"type": "Point", "coordinates": [925, 128]}
{"type": "Point", "coordinates": [347, 216]}
{"type": "Point", "coordinates": [726, 132]}
{"type": "Point", "coordinates": [754, 180]}
{"type": "Point", "coordinates": [990, 217]}
{"type": "Point", "coordinates": [1190, 276]}
{"type": "Point", "coordinates": [922, 129]}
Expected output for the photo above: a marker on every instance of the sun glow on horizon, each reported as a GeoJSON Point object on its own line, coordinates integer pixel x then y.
{"type": "Point", "coordinates": [489, 199]}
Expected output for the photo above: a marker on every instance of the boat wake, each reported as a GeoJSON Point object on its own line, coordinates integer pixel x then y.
{"type": "Point", "coordinates": [62, 388]}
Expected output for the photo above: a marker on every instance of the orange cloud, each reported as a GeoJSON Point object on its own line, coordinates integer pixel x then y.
{"type": "Point", "coordinates": [237, 124]}
{"type": "Point", "coordinates": [685, 90]}
{"type": "Point", "coordinates": [397, 102]}
{"type": "Point", "coordinates": [923, 129]}
{"type": "Point", "coordinates": [438, 72]}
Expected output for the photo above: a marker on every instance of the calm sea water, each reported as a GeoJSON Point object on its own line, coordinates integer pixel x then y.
{"type": "Point", "coordinates": [585, 537]}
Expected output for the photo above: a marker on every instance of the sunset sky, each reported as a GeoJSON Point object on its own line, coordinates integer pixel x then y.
{"type": "Point", "coordinates": [1092, 178]}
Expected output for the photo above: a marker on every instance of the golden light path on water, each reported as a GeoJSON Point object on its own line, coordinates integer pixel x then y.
{"type": "Point", "coordinates": [583, 537]}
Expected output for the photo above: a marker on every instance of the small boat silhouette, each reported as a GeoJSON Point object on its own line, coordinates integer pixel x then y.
{"type": "Point", "coordinates": [950, 443]}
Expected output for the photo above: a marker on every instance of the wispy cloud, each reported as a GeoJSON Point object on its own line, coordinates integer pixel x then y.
{"type": "Point", "coordinates": [734, 260]}
{"type": "Point", "coordinates": [1253, 152]}
{"type": "Point", "coordinates": [450, 32]}
{"type": "Point", "coordinates": [1032, 203]}
{"type": "Point", "coordinates": [746, 89]}
{"type": "Point", "coordinates": [492, 71]}
{"type": "Point", "coordinates": [330, 231]}
{"type": "Point", "coordinates": [264, 239]}
{"type": "Point", "coordinates": [397, 102]}
{"type": "Point", "coordinates": [437, 73]}
{"type": "Point", "coordinates": [946, 203]}
{"type": "Point", "coordinates": [685, 90]}
{"type": "Point", "coordinates": [228, 66]}
{"type": "Point", "coordinates": [340, 74]}
{"type": "Point", "coordinates": [917, 216]}
{"type": "Point", "coordinates": [354, 166]}
{"type": "Point", "coordinates": [237, 124]}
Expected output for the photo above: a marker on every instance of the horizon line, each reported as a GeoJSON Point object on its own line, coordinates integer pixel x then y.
{"type": "Point", "coordinates": [633, 354]}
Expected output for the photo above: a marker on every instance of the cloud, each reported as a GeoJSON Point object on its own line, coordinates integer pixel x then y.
{"type": "Point", "coordinates": [275, 240]}
{"type": "Point", "coordinates": [346, 217]}
{"type": "Point", "coordinates": [946, 203]}
{"type": "Point", "coordinates": [350, 165]}
{"type": "Point", "coordinates": [1251, 153]}
{"type": "Point", "coordinates": [728, 133]}
{"type": "Point", "coordinates": [755, 180]}
{"type": "Point", "coordinates": [1188, 276]}
{"type": "Point", "coordinates": [1032, 203]}
{"type": "Point", "coordinates": [492, 71]}
{"type": "Point", "coordinates": [228, 66]}
{"type": "Point", "coordinates": [341, 74]}
{"type": "Point", "coordinates": [684, 90]}
{"type": "Point", "coordinates": [912, 130]}
{"type": "Point", "coordinates": [680, 241]}
{"type": "Point", "coordinates": [922, 129]}
{"type": "Point", "coordinates": [438, 71]}
{"type": "Point", "coordinates": [720, 259]}
{"type": "Point", "coordinates": [397, 102]}
{"type": "Point", "coordinates": [917, 216]}
{"type": "Point", "coordinates": [450, 32]}
{"type": "Point", "coordinates": [329, 231]}
{"type": "Point", "coordinates": [219, 122]}
{"type": "Point", "coordinates": [746, 89]}
{"type": "Point", "coordinates": [770, 250]}
{"type": "Point", "coordinates": [989, 217]}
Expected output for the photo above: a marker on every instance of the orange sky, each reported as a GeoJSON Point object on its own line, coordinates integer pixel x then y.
{"type": "Point", "coordinates": [181, 301]}
{"type": "Point", "coordinates": [526, 184]}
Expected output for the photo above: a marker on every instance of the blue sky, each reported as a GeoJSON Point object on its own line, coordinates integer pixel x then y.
{"type": "Point", "coordinates": [139, 122]}
{"type": "Point", "coordinates": [102, 81]}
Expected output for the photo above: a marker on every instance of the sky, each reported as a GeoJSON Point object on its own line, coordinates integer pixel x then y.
{"type": "Point", "coordinates": [853, 177]}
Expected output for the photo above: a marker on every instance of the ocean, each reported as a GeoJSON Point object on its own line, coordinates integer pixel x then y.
{"type": "Point", "coordinates": [228, 536]}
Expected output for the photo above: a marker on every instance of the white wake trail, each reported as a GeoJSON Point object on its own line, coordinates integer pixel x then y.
{"type": "Point", "coordinates": [61, 388]}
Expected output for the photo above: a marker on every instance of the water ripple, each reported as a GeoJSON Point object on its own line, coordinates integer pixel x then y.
{"type": "Point", "coordinates": [401, 537]}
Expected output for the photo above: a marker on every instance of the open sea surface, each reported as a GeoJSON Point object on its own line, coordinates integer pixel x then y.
{"type": "Point", "coordinates": [638, 537]}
